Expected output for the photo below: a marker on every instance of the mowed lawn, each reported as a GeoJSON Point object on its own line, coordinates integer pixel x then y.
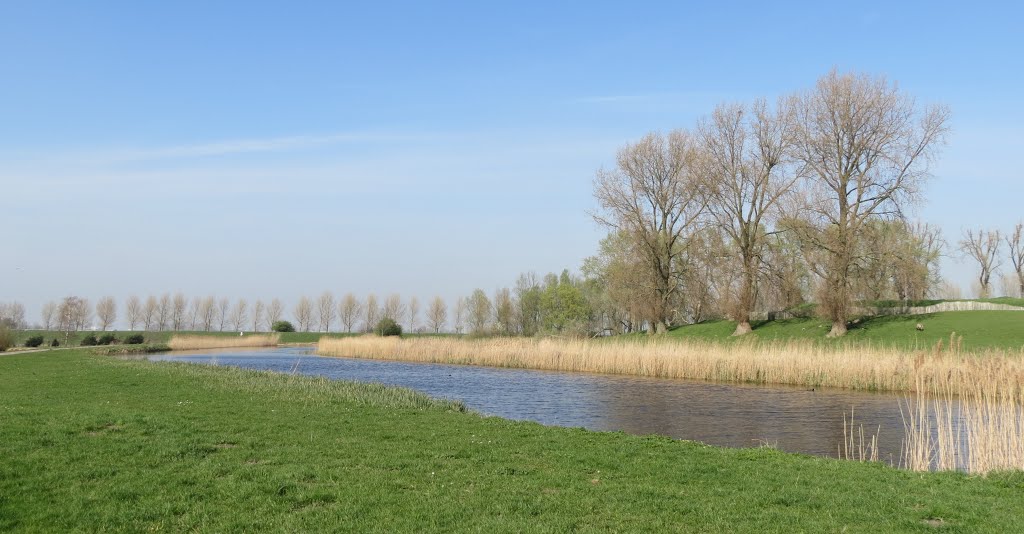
{"type": "Point", "coordinates": [96, 443]}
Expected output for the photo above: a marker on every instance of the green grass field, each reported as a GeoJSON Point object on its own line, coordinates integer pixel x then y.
{"type": "Point", "coordinates": [980, 330]}
{"type": "Point", "coordinates": [98, 443]}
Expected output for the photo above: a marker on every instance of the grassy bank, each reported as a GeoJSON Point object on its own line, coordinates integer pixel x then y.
{"type": "Point", "coordinates": [874, 368]}
{"type": "Point", "coordinates": [93, 442]}
{"type": "Point", "coordinates": [980, 330]}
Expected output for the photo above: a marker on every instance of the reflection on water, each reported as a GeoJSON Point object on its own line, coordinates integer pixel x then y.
{"type": "Point", "coordinates": [729, 415]}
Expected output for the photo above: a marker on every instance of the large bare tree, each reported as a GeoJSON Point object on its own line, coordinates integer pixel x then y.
{"type": "Point", "coordinates": [414, 313]}
{"type": "Point", "coordinates": [437, 314]}
{"type": "Point", "coordinates": [655, 196]}
{"type": "Point", "coordinates": [326, 312]}
{"type": "Point", "coordinates": [106, 312]}
{"type": "Point", "coordinates": [258, 308]}
{"type": "Point", "coordinates": [165, 309]}
{"type": "Point", "coordinates": [49, 313]}
{"type": "Point", "coordinates": [239, 315]}
{"type": "Point", "coordinates": [349, 309]}
{"type": "Point", "coordinates": [275, 312]}
{"type": "Point", "coordinates": [179, 308]}
{"type": "Point", "coordinates": [133, 311]}
{"type": "Point", "coordinates": [393, 308]}
{"type": "Point", "coordinates": [747, 177]}
{"type": "Point", "coordinates": [73, 314]}
{"type": "Point", "coordinates": [223, 313]}
{"type": "Point", "coordinates": [304, 314]}
{"type": "Point", "coordinates": [208, 312]}
{"type": "Point", "coordinates": [865, 148]}
{"type": "Point", "coordinates": [983, 247]}
{"type": "Point", "coordinates": [371, 313]}
{"type": "Point", "coordinates": [1015, 242]}
{"type": "Point", "coordinates": [149, 313]}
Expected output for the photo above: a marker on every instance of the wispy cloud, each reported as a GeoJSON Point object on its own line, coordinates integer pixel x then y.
{"type": "Point", "coordinates": [244, 146]}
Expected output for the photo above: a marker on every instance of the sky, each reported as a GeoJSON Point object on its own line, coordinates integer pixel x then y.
{"type": "Point", "coordinates": [260, 150]}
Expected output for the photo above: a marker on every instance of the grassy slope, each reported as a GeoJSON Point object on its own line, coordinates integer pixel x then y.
{"type": "Point", "coordinates": [980, 329]}
{"type": "Point", "coordinates": [91, 442]}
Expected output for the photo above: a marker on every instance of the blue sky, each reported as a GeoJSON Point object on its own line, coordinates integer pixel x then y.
{"type": "Point", "coordinates": [257, 150]}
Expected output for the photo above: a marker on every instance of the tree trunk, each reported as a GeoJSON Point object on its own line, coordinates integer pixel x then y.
{"type": "Point", "coordinates": [838, 329]}
{"type": "Point", "coordinates": [742, 328]}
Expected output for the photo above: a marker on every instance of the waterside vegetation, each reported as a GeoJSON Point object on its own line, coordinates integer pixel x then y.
{"type": "Point", "coordinates": [810, 364]}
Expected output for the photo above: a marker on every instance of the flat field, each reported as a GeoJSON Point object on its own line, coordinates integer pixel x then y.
{"type": "Point", "coordinates": [98, 443]}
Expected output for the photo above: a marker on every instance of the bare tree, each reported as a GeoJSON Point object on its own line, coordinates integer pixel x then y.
{"type": "Point", "coordinates": [49, 313]}
{"type": "Point", "coordinates": [195, 314]}
{"type": "Point", "coordinates": [864, 149]}
{"type": "Point", "coordinates": [393, 308]}
{"type": "Point", "coordinates": [437, 314]}
{"type": "Point", "coordinates": [106, 312]}
{"type": "Point", "coordinates": [1015, 242]}
{"type": "Point", "coordinates": [258, 308]}
{"type": "Point", "coordinates": [239, 315]}
{"type": "Point", "coordinates": [479, 312]}
{"type": "Point", "coordinates": [459, 319]}
{"type": "Point", "coordinates": [12, 315]}
{"type": "Point", "coordinates": [371, 313]}
{"type": "Point", "coordinates": [349, 310]}
{"type": "Point", "coordinates": [304, 314]}
{"type": "Point", "coordinates": [163, 313]}
{"type": "Point", "coordinates": [655, 196]}
{"type": "Point", "coordinates": [133, 311]}
{"type": "Point", "coordinates": [73, 315]}
{"type": "Point", "coordinates": [746, 154]}
{"type": "Point", "coordinates": [149, 312]}
{"type": "Point", "coordinates": [223, 313]}
{"type": "Point", "coordinates": [275, 311]}
{"type": "Point", "coordinates": [178, 310]}
{"type": "Point", "coordinates": [208, 313]}
{"type": "Point", "coordinates": [326, 311]}
{"type": "Point", "coordinates": [504, 312]}
{"type": "Point", "coordinates": [414, 313]}
{"type": "Point", "coordinates": [982, 247]}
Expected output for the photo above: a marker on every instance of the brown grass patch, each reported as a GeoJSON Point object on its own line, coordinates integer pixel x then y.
{"type": "Point", "coordinates": [193, 342]}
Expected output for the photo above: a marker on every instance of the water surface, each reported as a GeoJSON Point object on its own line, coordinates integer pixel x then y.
{"type": "Point", "coordinates": [801, 420]}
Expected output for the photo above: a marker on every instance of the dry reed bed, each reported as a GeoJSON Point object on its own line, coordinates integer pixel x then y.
{"type": "Point", "coordinates": [192, 342]}
{"type": "Point", "coordinates": [977, 427]}
{"type": "Point", "coordinates": [802, 364]}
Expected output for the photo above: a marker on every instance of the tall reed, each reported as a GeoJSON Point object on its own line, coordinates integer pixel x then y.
{"type": "Point", "coordinates": [796, 363]}
{"type": "Point", "coordinates": [974, 420]}
{"type": "Point", "coordinates": [195, 342]}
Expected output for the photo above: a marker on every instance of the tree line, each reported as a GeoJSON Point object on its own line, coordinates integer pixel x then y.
{"type": "Point", "coordinates": [177, 312]}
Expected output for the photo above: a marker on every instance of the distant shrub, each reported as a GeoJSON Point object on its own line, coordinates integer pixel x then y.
{"type": "Point", "coordinates": [388, 327]}
{"type": "Point", "coordinates": [34, 341]}
{"type": "Point", "coordinates": [54, 343]}
{"type": "Point", "coordinates": [282, 326]}
{"type": "Point", "coordinates": [106, 339]}
{"type": "Point", "coordinates": [88, 341]}
{"type": "Point", "coordinates": [134, 339]}
{"type": "Point", "coordinates": [6, 338]}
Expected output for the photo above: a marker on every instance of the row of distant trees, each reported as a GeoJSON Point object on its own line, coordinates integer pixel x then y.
{"type": "Point", "coordinates": [985, 248]}
{"type": "Point", "coordinates": [179, 313]}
